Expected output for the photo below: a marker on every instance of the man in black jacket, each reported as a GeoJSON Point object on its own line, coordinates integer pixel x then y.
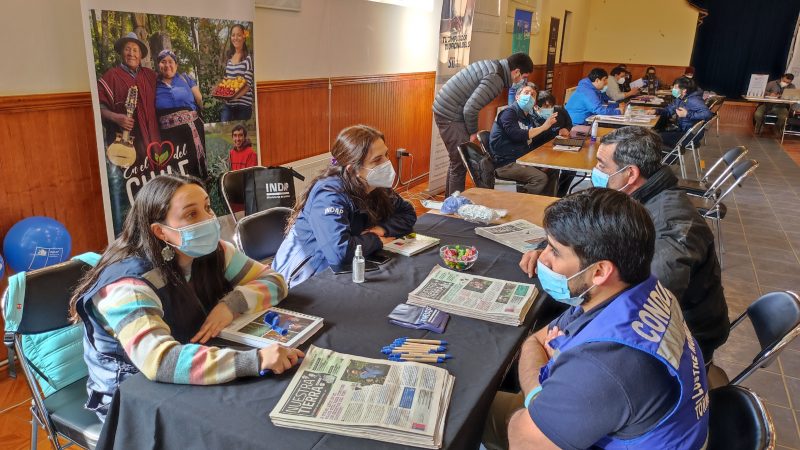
{"type": "Point", "coordinates": [685, 261]}
{"type": "Point", "coordinates": [517, 130]}
{"type": "Point", "coordinates": [460, 100]}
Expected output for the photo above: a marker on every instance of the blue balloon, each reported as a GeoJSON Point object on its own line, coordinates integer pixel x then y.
{"type": "Point", "coordinates": [2, 266]}
{"type": "Point", "coordinates": [36, 242]}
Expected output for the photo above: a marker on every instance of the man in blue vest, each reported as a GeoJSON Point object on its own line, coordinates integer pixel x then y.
{"type": "Point", "coordinates": [619, 368]}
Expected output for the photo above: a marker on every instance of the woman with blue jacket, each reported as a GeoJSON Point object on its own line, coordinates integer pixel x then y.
{"type": "Point", "coordinates": [350, 203]}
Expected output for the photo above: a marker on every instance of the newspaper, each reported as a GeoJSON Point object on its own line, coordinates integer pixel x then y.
{"type": "Point", "coordinates": [483, 298]}
{"type": "Point", "coordinates": [520, 234]}
{"type": "Point", "coordinates": [398, 402]}
{"type": "Point", "coordinates": [411, 244]}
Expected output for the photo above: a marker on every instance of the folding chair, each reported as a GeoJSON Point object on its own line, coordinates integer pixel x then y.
{"type": "Point", "coordinates": [703, 188]}
{"type": "Point", "coordinates": [474, 159]}
{"type": "Point", "coordinates": [50, 349]}
{"type": "Point", "coordinates": [685, 142]}
{"type": "Point", "coordinates": [738, 420]}
{"type": "Point", "coordinates": [775, 317]}
{"type": "Point", "coordinates": [483, 140]}
{"type": "Point", "coordinates": [712, 208]}
{"type": "Point", "coordinates": [792, 125]}
{"type": "Point", "coordinates": [714, 104]}
{"type": "Point", "coordinates": [260, 235]}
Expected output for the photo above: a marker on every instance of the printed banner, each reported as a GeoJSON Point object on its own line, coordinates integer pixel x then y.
{"type": "Point", "coordinates": [455, 36]}
{"type": "Point", "coordinates": [521, 39]}
{"type": "Point", "coordinates": [171, 94]}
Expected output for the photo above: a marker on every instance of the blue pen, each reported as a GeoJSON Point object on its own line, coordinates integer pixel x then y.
{"type": "Point", "coordinates": [419, 341]}
{"type": "Point", "coordinates": [400, 347]}
{"type": "Point", "coordinates": [438, 360]}
{"type": "Point", "coordinates": [265, 372]}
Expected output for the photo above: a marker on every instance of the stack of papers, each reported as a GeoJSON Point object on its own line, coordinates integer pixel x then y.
{"type": "Point", "coordinates": [398, 402]}
{"type": "Point", "coordinates": [411, 244]}
{"type": "Point", "coordinates": [482, 298]}
{"type": "Point", "coordinates": [519, 234]}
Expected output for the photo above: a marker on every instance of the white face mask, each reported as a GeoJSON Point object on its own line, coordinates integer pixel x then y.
{"type": "Point", "coordinates": [784, 84]}
{"type": "Point", "coordinates": [621, 80]}
{"type": "Point", "coordinates": [382, 175]}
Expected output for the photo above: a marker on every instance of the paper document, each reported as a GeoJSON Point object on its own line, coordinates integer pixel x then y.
{"type": "Point", "coordinates": [519, 234]}
{"type": "Point", "coordinates": [637, 84]}
{"type": "Point", "coordinates": [468, 295]}
{"type": "Point", "coordinates": [399, 402]}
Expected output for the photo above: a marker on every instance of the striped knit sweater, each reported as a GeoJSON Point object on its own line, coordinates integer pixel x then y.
{"type": "Point", "coordinates": [132, 312]}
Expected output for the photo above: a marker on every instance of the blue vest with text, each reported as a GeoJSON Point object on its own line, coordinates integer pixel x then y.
{"type": "Point", "coordinates": [105, 357]}
{"type": "Point", "coordinates": [648, 317]}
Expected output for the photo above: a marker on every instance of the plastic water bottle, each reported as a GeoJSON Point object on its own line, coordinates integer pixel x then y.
{"type": "Point", "coordinates": [594, 130]}
{"type": "Point", "coordinates": [358, 266]}
{"type": "Point", "coordinates": [628, 111]}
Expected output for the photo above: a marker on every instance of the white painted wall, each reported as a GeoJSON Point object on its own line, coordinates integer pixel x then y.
{"type": "Point", "coordinates": [42, 44]}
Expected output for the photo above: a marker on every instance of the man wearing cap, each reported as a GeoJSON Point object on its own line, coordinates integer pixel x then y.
{"type": "Point", "coordinates": [112, 91]}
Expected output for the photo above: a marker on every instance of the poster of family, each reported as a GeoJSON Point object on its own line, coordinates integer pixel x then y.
{"type": "Point", "coordinates": [171, 93]}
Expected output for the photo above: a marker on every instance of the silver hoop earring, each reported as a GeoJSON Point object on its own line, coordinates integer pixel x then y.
{"type": "Point", "coordinates": [167, 253]}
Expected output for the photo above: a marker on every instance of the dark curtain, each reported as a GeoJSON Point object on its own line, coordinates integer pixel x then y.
{"type": "Point", "coordinates": [739, 38]}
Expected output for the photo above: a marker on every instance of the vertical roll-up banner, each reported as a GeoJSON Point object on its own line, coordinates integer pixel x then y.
{"type": "Point", "coordinates": [173, 92]}
{"type": "Point", "coordinates": [793, 61]}
{"type": "Point", "coordinates": [455, 35]}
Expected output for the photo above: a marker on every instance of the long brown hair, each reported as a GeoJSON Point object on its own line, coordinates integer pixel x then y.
{"type": "Point", "coordinates": [208, 283]}
{"type": "Point", "coordinates": [349, 152]}
{"type": "Point", "coordinates": [231, 49]}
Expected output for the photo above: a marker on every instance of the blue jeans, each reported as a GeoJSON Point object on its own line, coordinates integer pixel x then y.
{"type": "Point", "coordinates": [236, 112]}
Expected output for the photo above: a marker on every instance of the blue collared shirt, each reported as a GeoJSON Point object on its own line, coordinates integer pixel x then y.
{"type": "Point", "coordinates": [177, 95]}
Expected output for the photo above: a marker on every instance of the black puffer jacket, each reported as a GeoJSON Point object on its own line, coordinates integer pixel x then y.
{"type": "Point", "coordinates": [685, 260]}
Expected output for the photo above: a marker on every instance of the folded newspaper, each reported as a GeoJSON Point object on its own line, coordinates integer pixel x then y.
{"type": "Point", "coordinates": [519, 234]}
{"type": "Point", "coordinates": [483, 298]}
{"type": "Point", "coordinates": [398, 402]}
{"type": "Point", "coordinates": [411, 244]}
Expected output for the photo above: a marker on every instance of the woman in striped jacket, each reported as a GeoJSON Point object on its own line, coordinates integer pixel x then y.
{"type": "Point", "coordinates": [239, 64]}
{"type": "Point", "coordinates": [166, 286]}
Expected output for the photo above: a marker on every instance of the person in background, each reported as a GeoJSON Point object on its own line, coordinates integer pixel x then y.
{"type": "Point", "coordinates": [165, 287]}
{"type": "Point", "coordinates": [650, 78]}
{"type": "Point", "coordinates": [689, 72]}
{"type": "Point", "coordinates": [518, 130]}
{"type": "Point", "coordinates": [460, 100]}
{"type": "Point", "coordinates": [547, 106]}
{"type": "Point", "coordinates": [619, 368]}
{"type": "Point", "coordinates": [688, 108]}
{"type": "Point", "coordinates": [178, 100]}
{"type": "Point", "coordinates": [350, 203]}
{"type": "Point", "coordinates": [239, 64]}
{"type": "Point", "coordinates": [685, 261]}
{"type": "Point", "coordinates": [587, 99]}
{"type": "Point", "coordinates": [242, 155]}
{"type": "Point", "coordinates": [774, 90]}
{"type": "Point", "coordinates": [617, 79]}
{"type": "Point", "coordinates": [625, 86]}
{"type": "Point", "coordinates": [112, 92]}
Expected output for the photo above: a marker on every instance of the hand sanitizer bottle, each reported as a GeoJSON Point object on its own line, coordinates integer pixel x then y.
{"type": "Point", "coordinates": [358, 266]}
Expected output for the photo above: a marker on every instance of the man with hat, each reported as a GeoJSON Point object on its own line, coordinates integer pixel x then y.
{"type": "Point", "coordinates": [112, 91]}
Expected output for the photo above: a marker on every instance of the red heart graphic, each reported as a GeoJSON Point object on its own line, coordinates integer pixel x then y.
{"type": "Point", "coordinates": [162, 156]}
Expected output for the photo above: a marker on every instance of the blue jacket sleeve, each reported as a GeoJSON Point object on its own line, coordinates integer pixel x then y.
{"type": "Point", "coordinates": [596, 106]}
{"type": "Point", "coordinates": [402, 220]}
{"type": "Point", "coordinates": [328, 215]}
{"type": "Point", "coordinates": [697, 110]}
{"type": "Point", "coordinates": [669, 110]}
{"type": "Point", "coordinates": [510, 125]}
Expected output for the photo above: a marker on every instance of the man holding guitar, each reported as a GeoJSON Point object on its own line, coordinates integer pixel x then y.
{"type": "Point", "coordinates": [127, 106]}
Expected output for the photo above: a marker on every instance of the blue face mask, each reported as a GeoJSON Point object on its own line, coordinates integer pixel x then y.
{"type": "Point", "coordinates": [199, 239]}
{"type": "Point", "coordinates": [525, 101]}
{"type": "Point", "coordinates": [600, 178]}
{"type": "Point", "coordinates": [605, 88]}
{"type": "Point", "coordinates": [676, 92]}
{"type": "Point", "coordinates": [544, 113]}
{"type": "Point", "coordinates": [557, 285]}
{"type": "Point", "coordinates": [519, 84]}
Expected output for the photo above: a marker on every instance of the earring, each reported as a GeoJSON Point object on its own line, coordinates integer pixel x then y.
{"type": "Point", "coordinates": [167, 253]}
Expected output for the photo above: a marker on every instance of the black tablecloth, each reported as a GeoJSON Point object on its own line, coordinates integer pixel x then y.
{"type": "Point", "coordinates": [146, 414]}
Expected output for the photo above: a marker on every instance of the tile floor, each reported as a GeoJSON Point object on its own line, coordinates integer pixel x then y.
{"type": "Point", "coordinates": [762, 254]}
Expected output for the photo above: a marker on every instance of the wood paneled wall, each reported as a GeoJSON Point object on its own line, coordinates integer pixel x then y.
{"type": "Point", "coordinates": [737, 114]}
{"type": "Point", "coordinates": [293, 115]}
{"type": "Point", "coordinates": [49, 165]}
